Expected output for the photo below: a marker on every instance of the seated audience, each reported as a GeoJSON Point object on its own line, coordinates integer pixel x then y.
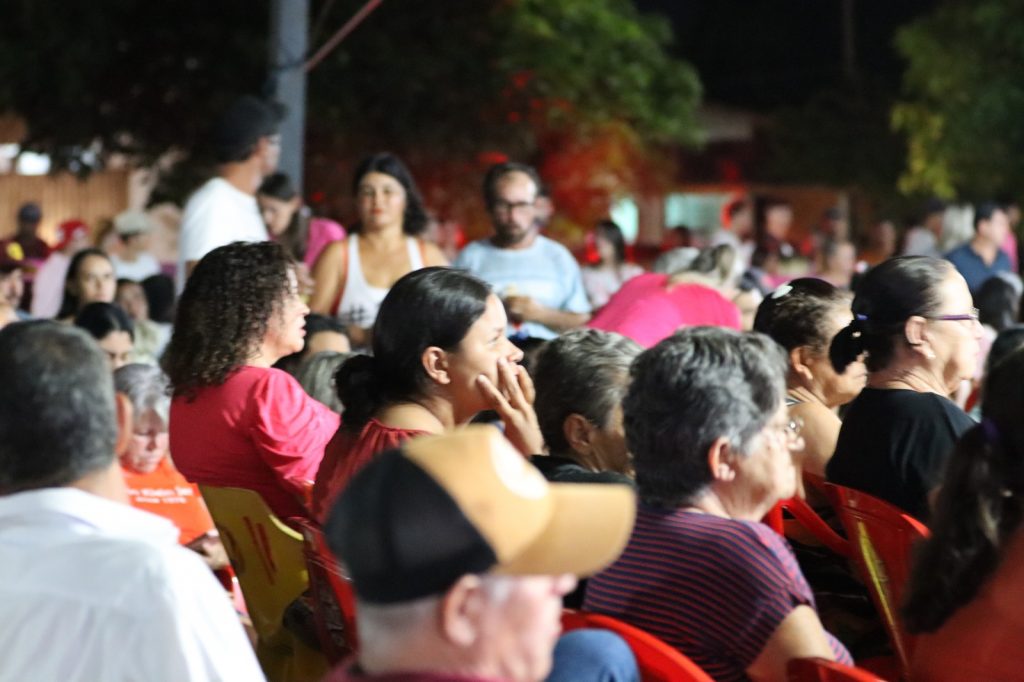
{"type": "Point", "coordinates": [537, 278]}
{"type": "Point", "coordinates": [964, 594]}
{"type": "Point", "coordinates": [580, 379]}
{"type": "Point", "coordinates": [611, 270]}
{"type": "Point", "coordinates": [802, 317]}
{"type": "Point", "coordinates": [440, 356]}
{"type": "Point", "coordinates": [707, 426]}
{"type": "Point", "coordinates": [914, 319]}
{"type": "Point", "coordinates": [48, 286]}
{"type": "Point", "coordinates": [154, 485]}
{"type": "Point", "coordinates": [290, 223]}
{"type": "Point", "coordinates": [112, 329]}
{"type": "Point", "coordinates": [150, 337]}
{"type": "Point", "coordinates": [838, 263]}
{"type": "Point", "coordinates": [651, 307]}
{"type": "Point", "coordinates": [90, 279]}
{"type": "Point", "coordinates": [316, 376]}
{"type": "Point", "coordinates": [133, 260]}
{"type": "Point", "coordinates": [352, 277]}
{"type": "Point", "coordinates": [982, 257]}
{"type": "Point", "coordinates": [474, 594]}
{"type": "Point", "coordinates": [12, 284]}
{"type": "Point", "coordinates": [91, 589]}
{"type": "Point", "coordinates": [235, 420]}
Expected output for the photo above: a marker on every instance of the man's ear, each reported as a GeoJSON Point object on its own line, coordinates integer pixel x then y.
{"type": "Point", "coordinates": [460, 610]}
{"type": "Point", "coordinates": [720, 460]}
{"type": "Point", "coordinates": [125, 423]}
{"type": "Point", "coordinates": [578, 432]}
{"type": "Point", "coordinates": [435, 364]}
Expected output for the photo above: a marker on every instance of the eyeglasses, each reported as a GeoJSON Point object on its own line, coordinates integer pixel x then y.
{"type": "Point", "coordinates": [506, 207]}
{"type": "Point", "coordinates": [972, 316]}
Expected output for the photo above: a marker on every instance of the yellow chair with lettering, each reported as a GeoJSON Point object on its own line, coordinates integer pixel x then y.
{"type": "Point", "coordinates": [267, 557]}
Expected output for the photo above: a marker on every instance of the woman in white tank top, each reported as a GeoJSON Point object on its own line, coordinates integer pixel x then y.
{"type": "Point", "coordinates": [352, 277]}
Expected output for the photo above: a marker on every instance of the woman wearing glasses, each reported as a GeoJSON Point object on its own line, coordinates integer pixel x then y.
{"type": "Point", "coordinates": [352, 276]}
{"type": "Point", "coordinates": [914, 319]}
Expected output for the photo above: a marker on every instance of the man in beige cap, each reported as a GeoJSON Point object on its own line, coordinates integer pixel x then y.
{"type": "Point", "coordinates": [135, 262]}
{"type": "Point", "coordinates": [460, 553]}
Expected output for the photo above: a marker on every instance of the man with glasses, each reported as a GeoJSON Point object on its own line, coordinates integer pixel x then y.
{"type": "Point", "coordinates": [246, 146]}
{"type": "Point", "coordinates": [536, 277]}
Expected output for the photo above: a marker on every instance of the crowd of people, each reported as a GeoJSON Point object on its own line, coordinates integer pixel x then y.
{"type": "Point", "coordinates": [488, 441]}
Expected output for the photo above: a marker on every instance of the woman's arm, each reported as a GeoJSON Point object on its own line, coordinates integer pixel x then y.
{"type": "Point", "coordinates": [432, 255]}
{"type": "Point", "coordinates": [799, 635]}
{"type": "Point", "coordinates": [328, 276]}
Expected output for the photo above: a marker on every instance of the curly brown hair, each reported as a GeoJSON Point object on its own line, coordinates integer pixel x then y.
{"type": "Point", "coordinates": [223, 313]}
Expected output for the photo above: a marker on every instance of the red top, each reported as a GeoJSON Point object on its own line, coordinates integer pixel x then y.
{"type": "Point", "coordinates": [647, 312]}
{"type": "Point", "coordinates": [165, 492]}
{"type": "Point", "coordinates": [258, 430]}
{"type": "Point", "coordinates": [349, 452]}
{"type": "Point", "coordinates": [984, 638]}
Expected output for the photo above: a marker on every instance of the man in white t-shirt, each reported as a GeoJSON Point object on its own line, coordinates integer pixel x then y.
{"type": "Point", "coordinates": [246, 144]}
{"type": "Point", "coordinates": [90, 588]}
{"type": "Point", "coordinates": [536, 277]}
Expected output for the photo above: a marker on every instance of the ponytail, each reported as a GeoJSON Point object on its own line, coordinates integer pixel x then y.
{"type": "Point", "coordinates": [847, 345]}
{"type": "Point", "coordinates": [358, 384]}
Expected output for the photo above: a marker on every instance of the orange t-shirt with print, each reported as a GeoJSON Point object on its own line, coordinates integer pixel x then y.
{"type": "Point", "coordinates": [166, 493]}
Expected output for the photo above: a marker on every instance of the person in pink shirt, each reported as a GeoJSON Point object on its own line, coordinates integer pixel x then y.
{"type": "Point", "coordinates": [652, 306]}
{"type": "Point", "coordinates": [289, 221]}
{"type": "Point", "coordinates": [235, 420]}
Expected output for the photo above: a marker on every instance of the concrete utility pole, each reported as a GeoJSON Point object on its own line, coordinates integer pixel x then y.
{"type": "Point", "coordinates": [289, 42]}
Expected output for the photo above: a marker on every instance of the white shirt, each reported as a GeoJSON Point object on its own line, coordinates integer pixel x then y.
{"type": "Point", "coordinates": [48, 286]}
{"type": "Point", "coordinates": [217, 214]}
{"type": "Point", "coordinates": [95, 590]}
{"type": "Point", "coordinates": [137, 270]}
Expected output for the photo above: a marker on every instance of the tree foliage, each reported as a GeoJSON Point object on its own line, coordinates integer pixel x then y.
{"type": "Point", "coordinates": [446, 84]}
{"type": "Point", "coordinates": [964, 95]}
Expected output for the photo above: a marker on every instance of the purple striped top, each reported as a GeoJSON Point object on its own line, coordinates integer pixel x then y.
{"type": "Point", "coordinates": [714, 588]}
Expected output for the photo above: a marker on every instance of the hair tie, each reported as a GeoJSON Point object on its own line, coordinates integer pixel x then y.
{"type": "Point", "coordinates": [860, 318]}
{"type": "Point", "coordinates": [990, 430]}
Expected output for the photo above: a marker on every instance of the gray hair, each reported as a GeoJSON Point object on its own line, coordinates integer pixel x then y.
{"type": "Point", "coordinates": [316, 376]}
{"type": "Point", "coordinates": [582, 372]}
{"type": "Point", "coordinates": [701, 384]}
{"type": "Point", "coordinates": [146, 387]}
{"type": "Point", "coordinates": [57, 417]}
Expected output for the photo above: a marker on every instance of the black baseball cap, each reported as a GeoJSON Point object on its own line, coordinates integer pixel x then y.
{"type": "Point", "coordinates": [417, 519]}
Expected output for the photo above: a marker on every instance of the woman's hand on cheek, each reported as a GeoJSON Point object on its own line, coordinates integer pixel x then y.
{"type": "Point", "coordinates": [512, 399]}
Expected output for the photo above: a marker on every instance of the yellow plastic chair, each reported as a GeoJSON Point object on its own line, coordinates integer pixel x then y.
{"type": "Point", "coordinates": [267, 557]}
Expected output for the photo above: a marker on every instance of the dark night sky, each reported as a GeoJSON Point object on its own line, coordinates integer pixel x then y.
{"type": "Point", "coordinates": [761, 54]}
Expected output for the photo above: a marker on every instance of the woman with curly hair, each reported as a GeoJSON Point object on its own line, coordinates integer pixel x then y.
{"type": "Point", "coordinates": [235, 420]}
{"type": "Point", "coordinates": [965, 596]}
{"type": "Point", "coordinates": [352, 276]}
{"type": "Point", "coordinates": [440, 356]}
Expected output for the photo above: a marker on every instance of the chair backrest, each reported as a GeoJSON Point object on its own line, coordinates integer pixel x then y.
{"type": "Point", "coordinates": [334, 603]}
{"type": "Point", "coordinates": [818, 528]}
{"type": "Point", "coordinates": [658, 662]}
{"type": "Point", "coordinates": [881, 536]}
{"type": "Point", "coordinates": [820, 670]}
{"type": "Point", "coordinates": [265, 554]}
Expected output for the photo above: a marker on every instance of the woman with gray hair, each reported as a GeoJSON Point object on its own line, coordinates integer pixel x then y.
{"type": "Point", "coordinates": [706, 423]}
{"type": "Point", "coordinates": [154, 485]}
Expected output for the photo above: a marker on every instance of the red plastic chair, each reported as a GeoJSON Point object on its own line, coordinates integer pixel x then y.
{"type": "Point", "coordinates": [658, 662]}
{"type": "Point", "coordinates": [820, 670]}
{"type": "Point", "coordinates": [334, 605]}
{"type": "Point", "coordinates": [809, 519]}
{"type": "Point", "coordinates": [881, 536]}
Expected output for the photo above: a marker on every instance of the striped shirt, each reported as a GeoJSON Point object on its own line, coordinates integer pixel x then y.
{"type": "Point", "coordinates": [714, 588]}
